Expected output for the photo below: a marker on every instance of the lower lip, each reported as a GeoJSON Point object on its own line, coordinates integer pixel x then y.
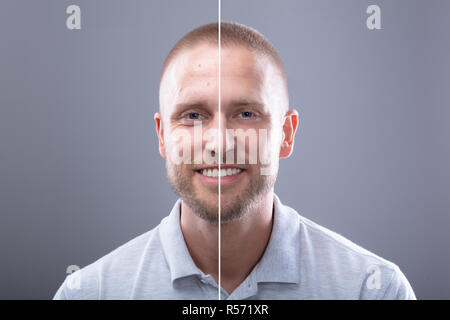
{"type": "Point", "coordinates": [223, 180]}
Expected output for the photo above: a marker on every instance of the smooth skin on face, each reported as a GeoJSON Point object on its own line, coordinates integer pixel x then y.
{"type": "Point", "coordinates": [253, 96]}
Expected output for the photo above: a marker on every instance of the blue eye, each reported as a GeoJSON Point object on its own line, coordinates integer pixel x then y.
{"type": "Point", "coordinates": [194, 115]}
{"type": "Point", "coordinates": [246, 114]}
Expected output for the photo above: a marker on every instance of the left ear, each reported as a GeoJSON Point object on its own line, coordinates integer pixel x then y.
{"type": "Point", "coordinates": [290, 124]}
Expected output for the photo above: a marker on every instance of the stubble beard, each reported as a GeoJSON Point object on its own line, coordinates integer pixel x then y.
{"type": "Point", "coordinates": [230, 210]}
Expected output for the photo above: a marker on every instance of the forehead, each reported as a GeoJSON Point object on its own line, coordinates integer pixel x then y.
{"type": "Point", "coordinates": [193, 74]}
{"type": "Point", "coordinates": [203, 61]}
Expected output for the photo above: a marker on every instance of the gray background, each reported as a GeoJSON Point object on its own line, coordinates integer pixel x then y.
{"type": "Point", "coordinates": [80, 172]}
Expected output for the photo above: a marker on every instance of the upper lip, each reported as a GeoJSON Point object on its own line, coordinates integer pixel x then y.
{"type": "Point", "coordinates": [224, 166]}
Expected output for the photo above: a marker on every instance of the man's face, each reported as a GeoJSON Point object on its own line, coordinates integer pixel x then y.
{"type": "Point", "coordinates": [252, 102]}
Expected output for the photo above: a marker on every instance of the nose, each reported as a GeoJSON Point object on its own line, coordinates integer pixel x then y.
{"type": "Point", "coordinates": [217, 139]}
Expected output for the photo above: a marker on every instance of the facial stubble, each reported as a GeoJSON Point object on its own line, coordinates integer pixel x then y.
{"type": "Point", "coordinates": [181, 181]}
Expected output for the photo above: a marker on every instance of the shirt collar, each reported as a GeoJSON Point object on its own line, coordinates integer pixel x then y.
{"type": "Point", "coordinates": [280, 261]}
{"type": "Point", "coordinates": [178, 258]}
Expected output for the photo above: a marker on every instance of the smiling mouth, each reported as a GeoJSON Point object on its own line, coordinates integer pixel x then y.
{"type": "Point", "coordinates": [214, 173]}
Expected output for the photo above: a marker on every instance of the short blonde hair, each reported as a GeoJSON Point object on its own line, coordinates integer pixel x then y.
{"type": "Point", "coordinates": [231, 33]}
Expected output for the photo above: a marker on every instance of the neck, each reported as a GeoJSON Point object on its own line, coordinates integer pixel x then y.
{"type": "Point", "coordinates": [243, 242]}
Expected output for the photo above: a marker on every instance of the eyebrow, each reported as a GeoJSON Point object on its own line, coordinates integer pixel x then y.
{"type": "Point", "coordinates": [242, 102]}
{"type": "Point", "coordinates": [246, 102]}
{"type": "Point", "coordinates": [187, 105]}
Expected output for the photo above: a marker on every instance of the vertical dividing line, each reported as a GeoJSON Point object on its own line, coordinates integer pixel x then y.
{"type": "Point", "coordinates": [220, 156]}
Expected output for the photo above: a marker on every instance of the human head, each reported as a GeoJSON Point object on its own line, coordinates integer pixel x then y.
{"type": "Point", "coordinates": [231, 34]}
{"type": "Point", "coordinates": [253, 82]}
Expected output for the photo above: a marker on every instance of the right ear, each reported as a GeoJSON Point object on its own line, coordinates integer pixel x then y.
{"type": "Point", "coordinates": [160, 133]}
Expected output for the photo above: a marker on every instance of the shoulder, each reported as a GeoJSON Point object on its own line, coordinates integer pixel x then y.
{"type": "Point", "coordinates": [328, 242]}
{"type": "Point", "coordinates": [347, 268]}
{"type": "Point", "coordinates": [113, 272]}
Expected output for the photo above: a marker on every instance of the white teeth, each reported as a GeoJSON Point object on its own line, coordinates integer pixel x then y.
{"type": "Point", "coordinates": [214, 173]}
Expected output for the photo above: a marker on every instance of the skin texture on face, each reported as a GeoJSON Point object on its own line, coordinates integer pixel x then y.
{"type": "Point", "coordinates": [253, 97]}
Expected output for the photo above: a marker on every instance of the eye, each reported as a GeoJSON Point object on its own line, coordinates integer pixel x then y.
{"type": "Point", "coordinates": [246, 114]}
{"type": "Point", "coordinates": [193, 116]}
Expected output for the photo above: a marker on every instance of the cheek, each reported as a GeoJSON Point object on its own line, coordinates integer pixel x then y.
{"type": "Point", "coordinates": [262, 146]}
{"type": "Point", "coordinates": [269, 145]}
{"type": "Point", "coordinates": [179, 146]}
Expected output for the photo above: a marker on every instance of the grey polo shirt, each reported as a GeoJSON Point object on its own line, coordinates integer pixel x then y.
{"type": "Point", "coordinates": [302, 261]}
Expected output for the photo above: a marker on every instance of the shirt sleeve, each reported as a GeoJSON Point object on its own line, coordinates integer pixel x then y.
{"type": "Point", "coordinates": [79, 285]}
{"type": "Point", "coordinates": [399, 287]}
{"type": "Point", "coordinates": [60, 294]}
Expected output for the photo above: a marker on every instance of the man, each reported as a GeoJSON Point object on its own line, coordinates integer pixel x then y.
{"type": "Point", "coordinates": [267, 250]}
